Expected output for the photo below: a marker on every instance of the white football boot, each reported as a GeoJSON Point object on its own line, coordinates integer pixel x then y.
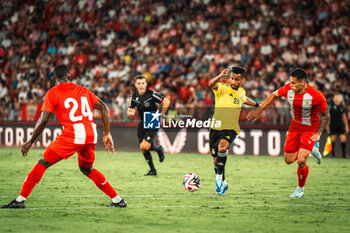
{"type": "Point", "coordinates": [299, 192]}
{"type": "Point", "coordinates": [316, 153]}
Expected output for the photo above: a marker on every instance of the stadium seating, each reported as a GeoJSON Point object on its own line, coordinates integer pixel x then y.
{"type": "Point", "coordinates": [178, 45]}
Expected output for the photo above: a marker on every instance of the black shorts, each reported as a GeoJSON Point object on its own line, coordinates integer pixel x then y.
{"type": "Point", "coordinates": [337, 130]}
{"type": "Point", "coordinates": [147, 134]}
{"type": "Point", "coordinates": [216, 135]}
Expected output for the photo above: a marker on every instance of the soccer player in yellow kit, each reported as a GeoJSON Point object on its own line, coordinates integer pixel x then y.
{"type": "Point", "coordinates": [229, 98]}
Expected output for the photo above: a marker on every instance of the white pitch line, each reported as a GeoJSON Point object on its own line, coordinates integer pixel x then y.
{"type": "Point", "coordinates": [180, 206]}
{"type": "Point", "coordinates": [343, 196]}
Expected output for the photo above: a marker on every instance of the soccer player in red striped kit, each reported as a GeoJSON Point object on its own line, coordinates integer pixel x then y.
{"type": "Point", "coordinates": [73, 105]}
{"type": "Point", "coordinates": [306, 103]}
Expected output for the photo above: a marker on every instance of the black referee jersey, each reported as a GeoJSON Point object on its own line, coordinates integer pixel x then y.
{"type": "Point", "coordinates": [336, 112]}
{"type": "Point", "coordinates": [147, 102]}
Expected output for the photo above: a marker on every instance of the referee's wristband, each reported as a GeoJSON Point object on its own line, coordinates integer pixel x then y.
{"type": "Point", "coordinates": [257, 104]}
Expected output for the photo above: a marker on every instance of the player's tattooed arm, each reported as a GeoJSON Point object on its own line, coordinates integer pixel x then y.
{"type": "Point", "coordinates": [213, 84]}
{"type": "Point", "coordinates": [325, 118]}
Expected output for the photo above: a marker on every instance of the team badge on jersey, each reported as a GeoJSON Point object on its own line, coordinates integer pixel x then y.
{"type": "Point", "coordinates": [307, 102]}
{"type": "Point", "coordinates": [151, 120]}
{"type": "Point", "coordinates": [291, 95]}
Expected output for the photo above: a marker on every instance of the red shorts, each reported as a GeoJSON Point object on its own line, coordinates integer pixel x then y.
{"type": "Point", "coordinates": [297, 139]}
{"type": "Point", "coordinates": [61, 149]}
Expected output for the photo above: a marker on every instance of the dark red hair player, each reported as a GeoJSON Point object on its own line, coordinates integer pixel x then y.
{"type": "Point", "coordinates": [306, 103]}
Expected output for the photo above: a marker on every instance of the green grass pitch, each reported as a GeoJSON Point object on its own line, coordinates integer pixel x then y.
{"type": "Point", "coordinates": [257, 200]}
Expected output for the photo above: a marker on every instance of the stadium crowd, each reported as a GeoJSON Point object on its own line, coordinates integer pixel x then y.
{"type": "Point", "coordinates": [177, 44]}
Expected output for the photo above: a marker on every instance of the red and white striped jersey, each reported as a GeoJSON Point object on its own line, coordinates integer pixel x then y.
{"type": "Point", "coordinates": [73, 105]}
{"type": "Point", "coordinates": [305, 108]}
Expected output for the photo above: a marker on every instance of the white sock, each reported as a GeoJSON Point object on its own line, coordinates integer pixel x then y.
{"type": "Point", "coordinates": [218, 176]}
{"type": "Point", "coordinates": [225, 183]}
{"type": "Point", "coordinates": [20, 198]}
{"type": "Point", "coordinates": [116, 199]}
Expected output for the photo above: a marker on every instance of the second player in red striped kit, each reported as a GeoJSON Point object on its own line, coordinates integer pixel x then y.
{"type": "Point", "coordinates": [306, 103]}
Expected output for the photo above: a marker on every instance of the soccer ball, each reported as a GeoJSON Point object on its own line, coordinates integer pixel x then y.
{"type": "Point", "coordinates": [191, 182]}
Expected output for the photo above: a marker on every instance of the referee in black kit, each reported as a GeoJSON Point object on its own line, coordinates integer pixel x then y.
{"type": "Point", "coordinates": [145, 100]}
{"type": "Point", "coordinates": [338, 124]}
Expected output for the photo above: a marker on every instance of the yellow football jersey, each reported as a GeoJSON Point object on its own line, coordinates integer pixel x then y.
{"type": "Point", "coordinates": [228, 105]}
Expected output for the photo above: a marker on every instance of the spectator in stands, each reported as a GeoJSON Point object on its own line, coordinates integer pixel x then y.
{"type": "Point", "coordinates": [176, 46]}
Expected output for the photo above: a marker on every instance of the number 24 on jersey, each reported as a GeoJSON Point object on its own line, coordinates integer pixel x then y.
{"type": "Point", "coordinates": [84, 110]}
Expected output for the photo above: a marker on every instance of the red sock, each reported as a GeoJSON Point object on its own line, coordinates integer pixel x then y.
{"type": "Point", "coordinates": [302, 175]}
{"type": "Point", "coordinates": [32, 179]}
{"type": "Point", "coordinates": [99, 179]}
